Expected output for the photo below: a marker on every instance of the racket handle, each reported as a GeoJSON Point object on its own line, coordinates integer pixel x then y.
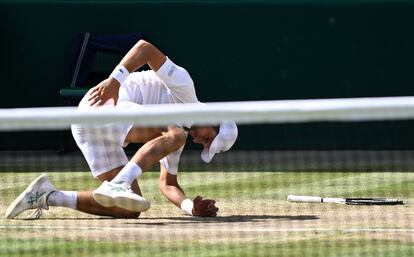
{"type": "Point", "coordinates": [304, 199]}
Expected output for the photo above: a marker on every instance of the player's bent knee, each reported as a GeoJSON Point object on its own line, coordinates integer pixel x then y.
{"type": "Point", "coordinates": [176, 135]}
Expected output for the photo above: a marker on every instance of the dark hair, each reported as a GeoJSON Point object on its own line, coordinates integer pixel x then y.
{"type": "Point", "coordinates": [216, 128]}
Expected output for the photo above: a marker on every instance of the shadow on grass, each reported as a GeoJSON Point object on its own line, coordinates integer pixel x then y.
{"type": "Point", "coordinates": [189, 219]}
{"type": "Point", "coordinates": [220, 219]}
{"type": "Point", "coordinates": [65, 218]}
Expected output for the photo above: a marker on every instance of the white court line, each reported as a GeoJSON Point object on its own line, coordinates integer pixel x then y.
{"type": "Point", "coordinates": [231, 229]}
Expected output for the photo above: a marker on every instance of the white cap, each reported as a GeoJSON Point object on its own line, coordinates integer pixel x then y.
{"type": "Point", "coordinates": [222, 142]}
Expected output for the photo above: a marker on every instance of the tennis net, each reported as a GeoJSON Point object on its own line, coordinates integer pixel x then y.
{"type": "Point", "coordinates": [327, 148]}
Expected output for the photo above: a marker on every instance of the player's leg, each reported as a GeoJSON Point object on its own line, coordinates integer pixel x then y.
{"type": "Point", "coordinates": [102, 149]}
{"type": "Point", "coordinates": [172, 139]}
{"type": "Point", "coordinates": [150, 153]}
{"type": "Point", "coordinates": [33, 197]}
{"type": "Point", "coordinates": [87, 204]}
{"type": "Point", "coordinates": [41, 194]}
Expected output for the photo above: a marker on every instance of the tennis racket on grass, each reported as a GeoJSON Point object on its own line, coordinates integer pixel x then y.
{"type": "Point", "coordinates": [349, 201]}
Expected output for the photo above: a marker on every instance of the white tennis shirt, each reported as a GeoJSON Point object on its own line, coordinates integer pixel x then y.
{"type": "Point", "coordinates": [171, 84]}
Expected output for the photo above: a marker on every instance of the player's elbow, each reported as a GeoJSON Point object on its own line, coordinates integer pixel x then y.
{"type": "Point", "coordinates": [169, 191]}
{"type": "Point", "coordinates": [163, 188]}
{"type": "Point", "coordinates": [168, 183]}
{"type": "Point", "coordinates": [145, 48]}
{"type": "Point", "coordinates": [142, 44]}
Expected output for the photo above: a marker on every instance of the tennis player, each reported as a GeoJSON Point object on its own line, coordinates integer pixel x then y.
{"type": "Point", "coordinates": [119, 195]}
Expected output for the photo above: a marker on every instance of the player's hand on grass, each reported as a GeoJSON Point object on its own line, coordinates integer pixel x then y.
{"type": "Point", "coordinates": [204, 207]}
{"type": "Point", "coordinates": [104, 91]}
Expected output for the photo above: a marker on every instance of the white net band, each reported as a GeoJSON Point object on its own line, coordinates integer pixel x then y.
{"type": "Point", "coordinates": [283, 111]}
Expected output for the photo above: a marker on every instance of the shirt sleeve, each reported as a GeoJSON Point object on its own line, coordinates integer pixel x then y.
{"type": "Point", "coordinates": [171, 161]}
{"type": "Point", "coordinates": [178, 81]}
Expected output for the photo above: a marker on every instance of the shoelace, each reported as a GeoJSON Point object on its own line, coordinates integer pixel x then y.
{"type": "Point", "coordinates": [35, 215]}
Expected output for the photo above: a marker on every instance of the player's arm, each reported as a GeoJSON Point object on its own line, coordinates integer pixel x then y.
{"type": "Point", "coordinates": [140, 54]}
{"type": "Point", "coordinates": [171, 189]}
{"type": "Point", "coordinates": [154, 150]}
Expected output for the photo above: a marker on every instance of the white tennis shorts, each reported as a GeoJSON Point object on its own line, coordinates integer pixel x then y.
{"type": "Point", "coordinates": [102, 145]}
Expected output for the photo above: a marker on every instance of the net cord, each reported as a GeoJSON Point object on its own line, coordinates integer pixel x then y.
{"type": "Point", "coordinates": [249, 112]}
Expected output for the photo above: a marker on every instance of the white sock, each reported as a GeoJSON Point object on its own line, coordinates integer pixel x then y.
{"type": "Point", "coordinates": [128, 173]}
{"type": "Point", "coordinates": [63, 199]}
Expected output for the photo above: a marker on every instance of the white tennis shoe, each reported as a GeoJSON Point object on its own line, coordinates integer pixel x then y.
{"type": "Point", "coordinates": [34, 197]}
{"type": "Point", "coordinates": [110, 194]}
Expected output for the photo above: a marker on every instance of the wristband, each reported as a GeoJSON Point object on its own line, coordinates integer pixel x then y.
{"type": "Point", "coordinates": [120, 73]}
{"type": "Point", "coordinates": [187, 206]}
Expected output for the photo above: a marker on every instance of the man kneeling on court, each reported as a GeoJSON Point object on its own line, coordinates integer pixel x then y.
{"type": "Point", "coordinates": [119, 195]}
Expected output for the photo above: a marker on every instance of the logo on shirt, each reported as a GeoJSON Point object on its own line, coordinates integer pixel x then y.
{"type": "Point", "coordinates": [171, 71]}
{"type": "Point", "coordinates": [121, 71]}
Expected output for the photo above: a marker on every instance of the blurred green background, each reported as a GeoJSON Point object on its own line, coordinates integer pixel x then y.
{"type": "Point", "coordinates": [235, 51]}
